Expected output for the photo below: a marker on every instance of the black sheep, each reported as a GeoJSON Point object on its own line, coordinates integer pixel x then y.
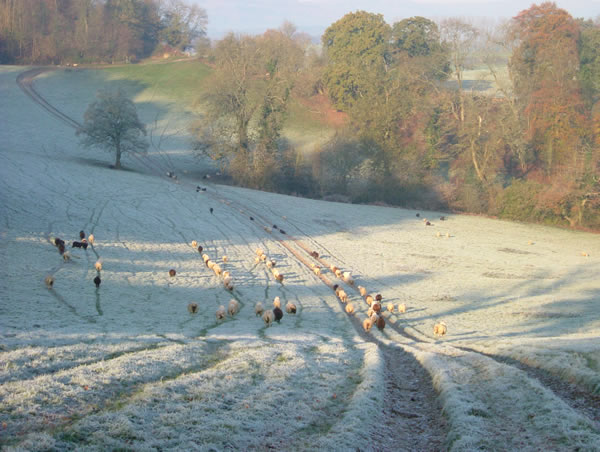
{"type": "Point", "coordinates": [335, 286]}
{"type": "Point", "coordinates": [282, 231]}
{"type": "Point", "coordinates": [200, 249]}
{"type": "Point", "coordinates": [81, 235]}
{"type": "Point", "coordinates": [378, 297]}
{"type": "Point", "coordinates": [251, 218]}
{"type": "Point", "coordinates": [61, 248]}
{"type": "Point", "coordinates": [211, 210]}
{"type": "Point", "coordinates": [418, 215]}
{"type": "Point", "coordinates": [77, 245]}
{"type": "Point", "coordinates": [97, 281]}
{"type": "Point", "coordinates": [58, 242]}
{"type": "Point", "coordinates": [278, 314]}
{"type": "Point", "coordinates": [172, 272]}
{"type": "Point", "coordinates": [274, 226]}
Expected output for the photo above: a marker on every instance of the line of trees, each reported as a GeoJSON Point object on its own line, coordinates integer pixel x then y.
{"type": "Point", "coordinates": [77, 31]}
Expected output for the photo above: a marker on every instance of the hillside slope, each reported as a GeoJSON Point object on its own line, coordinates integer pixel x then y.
{"type": "Point", "coordinates": [127, 366]}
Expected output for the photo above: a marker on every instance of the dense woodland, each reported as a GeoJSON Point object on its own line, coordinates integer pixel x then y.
{"type": "Point", "coordinates": [418, 133]}
{"type": "Point", "coordinates": [86, 31]}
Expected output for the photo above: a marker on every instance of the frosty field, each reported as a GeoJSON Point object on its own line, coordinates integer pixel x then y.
{"type": "Point", "coordinates": [126, 366]}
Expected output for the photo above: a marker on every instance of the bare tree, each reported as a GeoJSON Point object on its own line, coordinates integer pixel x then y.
{"type": "Point", "coordinates": [112, 123]}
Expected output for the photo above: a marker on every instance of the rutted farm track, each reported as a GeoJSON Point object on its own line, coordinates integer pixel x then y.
{"type": "Point", "coordinates": [404, 408]}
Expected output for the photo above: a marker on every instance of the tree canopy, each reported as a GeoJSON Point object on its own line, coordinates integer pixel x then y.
{"type": "Point", "coordinates": [111, 122]}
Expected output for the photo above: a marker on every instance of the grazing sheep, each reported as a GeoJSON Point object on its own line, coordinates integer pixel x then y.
{"type": "Point", "coordinates": [367, 325]}
{"type": "Point", "coordinates": [333, 268]}
{"type": "Point", "coordinates": [49, 281]}
{"type": "Point", "coordinates": [390, 307]}
{"type": "Point", "coordinates": [278, 313]}
{"type": "Point", "coordinates": [226, 274]}
{"type": "Point", "coordinates": [338, 273]}
{"type": "Point", "coordinates": [348, 278]}
{"type": "Point", "coordinates": [378, 297]}
{"type": "Point", "coordinates": [380, 323]}
{"type": "Point", "coordinates": [98, 266]}
{"type": "Point", "coordinates": [194, 244]}
{"type": "Point", "coordinates": [205, 258]}
{"type": "Point", "coordinates": [268, 317]}
{"type": "Point", "coordinates": [317, 271]}
{"type": "Point", "coordinates": [217, 269]}
{"type": "Point", "coordinates": [211, 210]}
{"type": "Point", "coordinates": [438, 234]}
{"type": "Point", "coordinates": [83, 245]}
{"type": "Point", "coordinates": [374, 318]}
{"type": "Point", "coordinates": [440, 329]}
{"type": "Point", "coordinates": [401, 308]}
{"type": "Point", "coordinates": [442, 218]}
{"type": "Point", "coordinates": [290, 308]}
{"type": "Point", "coordinates": [251, 218]}
{"type": "Point", "coordinates": [370, 312]}
{"type": "Point", "coordinates": [362, 291]}
{"type": "Point", "coordinates": [91, 239]}
{"type": "Point", "coordinates": [233, 307]}
{"type": "Point", "coordinates": [270, 264]}
{"type": "Point", "coordinates": [447, 235]}
{"type": "Point", "coordinates": [66, 256]}
{"type": "Point", "coordinates": [314, 254]}
{"type": "Point", "coordinates": [228, 282]}
{"type": "Point", "coordinates": [376, 307]}
{"type": "Point", "coordinates": [350, 308]}
{"type": "Point", "coordinates": [225, 258]}
{"type": "Point", "coordinates": [58, 241]}
{"type": "Point", "coordinates": [282, 231]}
{"type": "Point", "coordinates": [259, 252]}
{"type": "Point", "coordinates": [343, 296]}
{"type": "Point", "coordinates": [81, 235]}
{"type": "Point", "coordinates": [278, 276]}
{"type": "Point", "coordinates": [97, 281]}
{"type": "Point", "coordinates": [257, 260]}
{"type": "Point", "coordinates": [200, 249]}
{"type": "Point", "coordinates": [172, 272]}
{"type": "Point", "coordinates": [259, 309]}
{"type": "Point", "coordinates": [193, 308]}
{"type": "Point", "coordinates": [369, 299]}
{"type": "Point", "coordinates": [220, 314]}
{"type": "Point", "coordinates": [277, 302]}
{"type": "Point", "coordinates": [210, 264]}
{"type": "Point", "coordinates": [335, 288]}
{"type": "Point", "coordinates": [263, 257]}
{"type": "Point", "coordinates": [427, 223]}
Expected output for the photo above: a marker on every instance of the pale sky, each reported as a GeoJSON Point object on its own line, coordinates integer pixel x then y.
{"type": "Point", "coordinates": [313, 16]}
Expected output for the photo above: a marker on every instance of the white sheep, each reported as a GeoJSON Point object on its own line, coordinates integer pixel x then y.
{"type": "Point", "coordinates": [49, 281]}
{"type": "Point", "coordinates": [217, 269]}
{"type": "Point", "coordinates": [221, 313]}
{"type": "Point", "coordinates": [270, 264]}
{"type": "Point", "coordinates": [91, 239]}
{"type": "Point", "coordinates": [343, 296]}
{"type": "Point", "coordinates": [259, 309]}
{"type": "Point", "coordinates": [225, 258]}
{"type": "Point", "coordinates": [67, 256]}
{"type": "Point", "coordinates": [205, 258]}
{"type": "Point", "coordinates": [257, 260]}
{"type": "Point", "coordinates": [350, 308]}
{"type": "Point", "coordinates": [369, 299]}
{"type": "Point", "coordinates": [402, 308]}
{"type": "Point", "coordinates": [317, 271]}
{"type": "Point", "coordinates": [263, 257]}
{"type": "Point", "coordinates": [440, 329]}
{"type": "Point", "coordinates": [259, 252]}
{"type": "Point", "coordinates": [362, 291]}
{"type": "Point", "coordinates": [290, 308]}
{"type": "Point", "coordinates": [194, 244]}
{"type": "Point", "coordinates": [348, 278]}
{"type": "Point", "coordinates": [390, 307]}
{"type": "Point", "coordinates": [233, 307]}
{"type": "Point", "coordinates": [370, 312]}
{"type": "Point", "coordinates": [268, 317]}
{"type": "Point", "coordinates": [338, 273]}
{"type": "Point", "coordinates": [98, 266]}
{"type": "Point", "coordinates": [228, 283]}
{"type": "Point", "coordinates": [333, 268]}
{"type": "Point", "coordinates": [210, 264]}
{"type": "Point", "coordinates": [367, 324]}
{"type": "Point", "coordinates": [226, 274]}
{"type": "Point", "coordinates": [277, 302]}
{"type": "Point", "coordinates": [278, 276]}
{"type": "Point", "coordinates": [374, 317]}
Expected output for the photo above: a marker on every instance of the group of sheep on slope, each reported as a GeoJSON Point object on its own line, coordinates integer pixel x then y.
{"type": "Point", "coordinates": [374, 313]}
{"type": "Point", "coordinates": [82, 243]}
{"type": "Point", "coordinates": [269, 316]}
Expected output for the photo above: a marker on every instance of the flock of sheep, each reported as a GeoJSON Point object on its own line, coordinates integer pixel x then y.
{"type": "Point", "coordinates": [81, 243]}
{"type": "Point", "coordinates": [374, 313]}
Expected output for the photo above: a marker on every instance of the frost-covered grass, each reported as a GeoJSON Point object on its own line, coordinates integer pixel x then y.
{"type": "Point", "coordinates": [127, 367]}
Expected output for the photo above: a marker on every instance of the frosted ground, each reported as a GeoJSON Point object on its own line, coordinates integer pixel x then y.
{"type": "Point", "coordinates": [127, 367]}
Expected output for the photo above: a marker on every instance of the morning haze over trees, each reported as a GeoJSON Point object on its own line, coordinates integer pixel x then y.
{"type": "Point", "coordinates": [519, 140]}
